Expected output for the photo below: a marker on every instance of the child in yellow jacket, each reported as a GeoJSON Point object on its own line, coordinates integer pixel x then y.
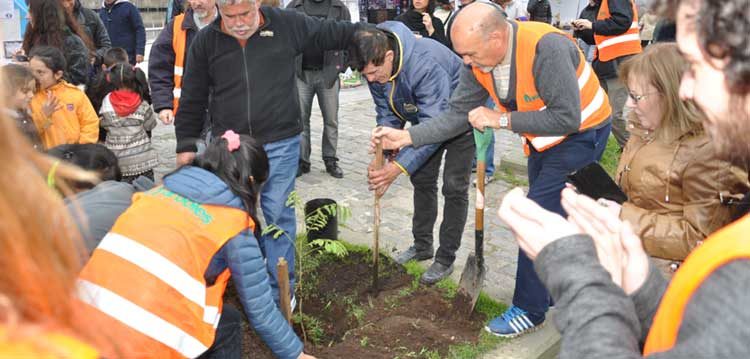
{"type": "Point", "coordinates": [61, 112]}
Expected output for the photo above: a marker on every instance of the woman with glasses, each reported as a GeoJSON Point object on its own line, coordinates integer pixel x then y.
{"type": "Point", "coordinates": [678, 191]}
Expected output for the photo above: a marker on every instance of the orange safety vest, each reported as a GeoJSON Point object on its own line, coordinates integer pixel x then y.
{"type": "Point", "coordinates": [147, 274]}
{"type": "Point", "coordinates": [627, 43]}
{"type": "Point", "coordinates": [595, 107]}
{"type": "Point", "coordinates": [179, 42]}
{"type": "Point", "coordinates": [726, 245]}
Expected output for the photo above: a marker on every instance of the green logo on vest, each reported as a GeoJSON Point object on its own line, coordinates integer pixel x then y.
{"type": "Point", "coordinates": [528, 98]}
{"type": "Point", "coordinates": [195, 208]}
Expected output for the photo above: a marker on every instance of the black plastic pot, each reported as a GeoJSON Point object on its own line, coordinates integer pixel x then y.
{"type": "Point", "coordinates": [331, 229]}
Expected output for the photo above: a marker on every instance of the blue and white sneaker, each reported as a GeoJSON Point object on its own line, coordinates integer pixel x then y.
{"type": "Point", "coordinates": [514, 322]}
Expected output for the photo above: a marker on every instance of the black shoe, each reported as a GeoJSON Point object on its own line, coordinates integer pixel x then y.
{"type": "Point", "coordinates": [303, 168]}
{"type": "Point", "coordinates": [436, 272]}
{"type": "Point", "coordinates": [412, 253]}
{"type": "Point", "coordinates": [334, 170]}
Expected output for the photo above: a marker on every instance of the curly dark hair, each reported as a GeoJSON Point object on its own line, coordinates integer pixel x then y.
{"type": "Point", "coordinates": [724, 31]}
{"type": "Point", "coordinates": [723, 27]}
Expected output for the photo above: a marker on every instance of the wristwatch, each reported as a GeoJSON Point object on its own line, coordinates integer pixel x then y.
{"type": "Point", "coordinates": [504, 120]}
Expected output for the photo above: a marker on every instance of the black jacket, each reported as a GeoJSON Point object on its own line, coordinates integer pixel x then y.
{"type": "Point", "coordinates": [603, 70]}
{"type": "Point", "coordinates": [619, 21]}
{"type": "Point", "coordinates": [413, 20]}
{"type": "Point", "coordinates": [333, 60]}
{"type": "Point", "coordinates": [588, 13]}
{"type": "Point", "coordinates": [94, 27]}
{"type": "Point", "coordinates": [161, 62]}
{"type": "Point", "coordinates": [539, 10]}
{"type": "Point", "coordinates": [252, 90]}
{"type": "Point", "coordinates": [77, 58]}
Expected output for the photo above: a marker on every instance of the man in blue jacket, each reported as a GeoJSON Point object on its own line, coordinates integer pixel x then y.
{"type": "Point", "coordinates": [411, 80]}
{"type": "Point", "coordinates": [125, 28]}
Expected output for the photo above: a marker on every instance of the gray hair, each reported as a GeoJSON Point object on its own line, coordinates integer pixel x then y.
{"type": "Point", "coordinates": [221, 3]}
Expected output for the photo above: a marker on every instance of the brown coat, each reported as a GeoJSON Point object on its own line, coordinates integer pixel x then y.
{"type": "Point", "coordinates": [674, 192]}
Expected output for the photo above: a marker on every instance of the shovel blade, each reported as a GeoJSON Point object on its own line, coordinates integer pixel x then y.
{"type": "Point", "coordinates": [470, 284]}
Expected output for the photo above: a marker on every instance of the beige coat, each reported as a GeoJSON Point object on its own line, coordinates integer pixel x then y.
{"type": "Point", "coordinates": [675, 190]}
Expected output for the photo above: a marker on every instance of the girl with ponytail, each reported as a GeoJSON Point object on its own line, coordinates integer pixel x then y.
{"type": "Point", "coordinates": [127, 117]}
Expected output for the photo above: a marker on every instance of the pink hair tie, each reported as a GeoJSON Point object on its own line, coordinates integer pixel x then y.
{"type": "Point", "coordinates": [233, 140]}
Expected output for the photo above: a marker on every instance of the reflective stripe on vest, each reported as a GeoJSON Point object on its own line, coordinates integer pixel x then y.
{"type": "Point", "coordinates": [627, 43]}
{"type": "Point", "coordinates": [728, 244]}
{"type": "Point", "coordinates": [147, 274]}
{"type": "Point", "coordinates": [595, 107]}
{"type": "Point", "coordinates": [179, 42]}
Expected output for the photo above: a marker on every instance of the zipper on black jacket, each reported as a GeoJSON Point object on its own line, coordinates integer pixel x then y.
{"type": "Point", "coordinates": [247, 83]}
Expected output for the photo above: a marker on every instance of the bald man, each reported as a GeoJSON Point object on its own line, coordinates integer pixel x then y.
{"type": "Point", "coordinates": [543, 90]}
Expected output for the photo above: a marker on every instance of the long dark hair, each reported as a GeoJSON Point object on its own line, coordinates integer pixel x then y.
{"type": "Point", "coordinates": [50, 22]}
{"type": "Point", "coordinates": [236, 168]}
{"type": "Point", "coordinates": [127, 76]}
{"type": "Point", "coordinates": [431, 4]}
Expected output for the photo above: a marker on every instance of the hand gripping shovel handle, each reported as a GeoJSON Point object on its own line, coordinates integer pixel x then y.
{"type": "Point", "coordinates": [379, 160]}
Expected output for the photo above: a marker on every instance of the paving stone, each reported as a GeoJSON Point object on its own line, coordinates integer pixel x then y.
{"type": "Point", "coordinates": [357, 118]}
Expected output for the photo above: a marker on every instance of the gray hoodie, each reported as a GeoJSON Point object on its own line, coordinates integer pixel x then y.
{"type": "Point", "coordinates": [598, 320]}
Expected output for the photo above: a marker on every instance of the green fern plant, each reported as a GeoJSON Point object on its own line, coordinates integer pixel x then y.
{"type": "Point", "coordinates": [314, 221]}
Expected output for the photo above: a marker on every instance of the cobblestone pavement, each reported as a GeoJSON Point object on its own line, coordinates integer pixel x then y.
{"type": "Point", "coordinates": [356, 119]}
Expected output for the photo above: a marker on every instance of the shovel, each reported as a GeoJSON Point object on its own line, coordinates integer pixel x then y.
{"type": "Point", "coordinates": [376, 225]}
{"type": "Point", "coordinates": [473, 275]}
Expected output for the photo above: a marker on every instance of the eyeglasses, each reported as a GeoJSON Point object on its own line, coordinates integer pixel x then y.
{"type": "Point", "coordinates": [638, 98]}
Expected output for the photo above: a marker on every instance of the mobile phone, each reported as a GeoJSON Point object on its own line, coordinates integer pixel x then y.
{"type": "Point", "coordinates": [21, 58]}
{"type": "Point", "coordinates": [593, 181]}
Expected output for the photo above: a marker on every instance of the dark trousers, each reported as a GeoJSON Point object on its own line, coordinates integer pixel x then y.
{"type": "Point", "coordinates": [314, 84]}
{"type": "Point", "coordinates": [228, 342]}
{"type": "Point", "coordinates": [459, 153]}
{"type": "Point", "coordinates": [547, 176]}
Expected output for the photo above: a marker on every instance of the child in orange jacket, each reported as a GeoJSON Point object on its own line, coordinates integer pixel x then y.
{"type": "Point", "coordinates": [61, 112]}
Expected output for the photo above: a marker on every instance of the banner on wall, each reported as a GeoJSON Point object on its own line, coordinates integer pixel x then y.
{"type": "Point", "coordinates": [12, 26]}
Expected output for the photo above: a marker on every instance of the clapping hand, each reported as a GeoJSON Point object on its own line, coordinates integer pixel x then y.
{"type": "Point", "coordinates": [619, 250]}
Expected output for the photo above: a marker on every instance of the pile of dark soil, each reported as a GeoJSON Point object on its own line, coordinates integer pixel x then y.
{"type": "Point", "coordinates": [345, 319]}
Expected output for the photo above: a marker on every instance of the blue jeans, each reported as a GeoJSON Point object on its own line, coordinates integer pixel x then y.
{"type": "Point", "coordinates": [283, 160]}
{"type": "Point", "coordinates": [548, 172]}
{"type": "Point", "coordinates": [228, 341]}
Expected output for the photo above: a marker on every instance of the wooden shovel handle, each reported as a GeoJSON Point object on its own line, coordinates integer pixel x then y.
{"type": "Point", "coordinates": [286, 306]}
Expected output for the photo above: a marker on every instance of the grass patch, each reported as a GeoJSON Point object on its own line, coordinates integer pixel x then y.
{"type": "Point", "coordinates": [489, 307]}
{"type": "Point", "coordinates": [313, 327]}
{"type": "Point", "coordinates": [486, 343]}
{"type": "Point", "coordinates": [449, 287]}
{"type": "Point", "coordinates": [506, 174]}
{"type": "Point", "coordinates": [355, 248]}
{"type": "Point", "coordinates": [354, 310]}
{"type": "Point", "coordinates": [611, 156]}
